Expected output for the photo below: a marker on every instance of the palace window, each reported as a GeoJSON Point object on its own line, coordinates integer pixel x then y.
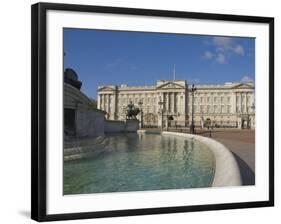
{"type": "Point", "coordinates": [228, 99]}
{"type": "Point", "coordinates": [228, 109]}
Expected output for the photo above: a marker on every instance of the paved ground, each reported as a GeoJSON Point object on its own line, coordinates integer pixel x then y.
{"type": "Point", "coordinates": [242, 145]}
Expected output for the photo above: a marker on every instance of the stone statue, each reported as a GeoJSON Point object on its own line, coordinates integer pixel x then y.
{"type": "Point", "coordinates": [132, 111]}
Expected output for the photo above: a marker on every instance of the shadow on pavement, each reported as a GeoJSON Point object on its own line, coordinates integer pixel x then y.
{"type": "Point", "coordinates": [247, 175]}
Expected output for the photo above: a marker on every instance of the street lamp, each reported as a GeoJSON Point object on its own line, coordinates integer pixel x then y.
{"type": "Point", "coordinates": [140, 103]}
{"type": "Point", "coordinates": [192, 126]}
{"type": "Point", "coordinates": [160, 103]}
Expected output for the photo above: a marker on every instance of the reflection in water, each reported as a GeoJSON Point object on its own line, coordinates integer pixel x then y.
{"type": "Point", "coordinates": [132, 162]}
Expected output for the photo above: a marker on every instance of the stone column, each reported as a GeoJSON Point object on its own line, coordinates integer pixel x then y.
{"type": "Point", "coordinates": [108, 104]}
{"type": "Point", "coordinates": [175, 102]}
{"type": "Point", "coordinates": [114, 106]}
{"type": "Point", "coordinates": [165, 105]}
{"type": "Point", "coordinates": [172, 102]}
{"type": "Point", "coordinates": [243, 102]}
{"type": "Point", "coordinates": [233, 103]}
{"type": "Point", "coordinates": [185, 103]}
{"type": "Point", "coordinates": [103, 101]}
{"type": "Point", "coordinates": [163, 100]}
{"type": "Point", "coordinates": [181, 103]}
{"type": "Point", "coordinates": [159, 99]}
{"type": "Point", "coordinates": [246, 102]}
{"type": "Point", "coordinates": [240, 105]}
{"type": "Point", "coordinates": [239, 122]}
{"type": "Point", "coordinates": [98, 102]}
{"type": "Point", "coordinates": [169, 102]}
{"type": "Point", "coordinates": [252, 102]}
{"type": "Point", "coordinates": [166, 102]}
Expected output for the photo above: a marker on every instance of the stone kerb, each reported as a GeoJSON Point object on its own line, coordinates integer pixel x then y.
{"type": "Point", "coordinates": [227, 172]}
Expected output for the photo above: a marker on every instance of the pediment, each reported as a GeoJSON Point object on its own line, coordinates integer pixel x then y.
{"type": "Point", "coordinates": [106, 88]}
{"type": "Point", "coordinates": [244, 86]}
{"type": "Point", "coordinates": [170, 85]}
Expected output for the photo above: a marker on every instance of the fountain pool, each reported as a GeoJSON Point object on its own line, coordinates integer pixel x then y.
{"type": "Point", "coordinates": [138, 162]}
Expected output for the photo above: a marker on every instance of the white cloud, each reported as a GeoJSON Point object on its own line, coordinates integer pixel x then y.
{"type": "Point", "coordinates": [238, 49]}
{"type": "Point", "coordinates": [222, 43]}
{"type": "Point", "coordinates": [224, 47]}
{"type": "Point", "coordinates": [208, 55]}
{"type": "Point", "coordinates": [246, 79]}
{"type": "Point", "coordinates": [228, 44]}
{"type": "Point", "coordinates": [220, 58]}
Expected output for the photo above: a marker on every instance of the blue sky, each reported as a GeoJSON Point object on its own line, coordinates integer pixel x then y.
{"type": "Point", "coordinates": [138, 58]}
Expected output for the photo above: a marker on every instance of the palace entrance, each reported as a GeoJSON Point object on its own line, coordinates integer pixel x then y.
{"type": "Point", "coordinates": [244, 122]}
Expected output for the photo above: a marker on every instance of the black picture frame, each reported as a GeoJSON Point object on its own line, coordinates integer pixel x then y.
{"type": "Point", "coordinates": [38, 108]}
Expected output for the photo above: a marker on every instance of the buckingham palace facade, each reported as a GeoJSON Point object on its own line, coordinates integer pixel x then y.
{"type": "Point", "coordinates": [169, 103]}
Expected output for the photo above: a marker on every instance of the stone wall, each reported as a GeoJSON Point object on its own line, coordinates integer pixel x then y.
{"type": "Point", "coordinates": [131, 125]}
{"type": "Point", "coordinates": [121, 126]}
{"type": "Point", "coordinates": [89, 123]}
{"type": "Point", "coordinates": [114, 126]}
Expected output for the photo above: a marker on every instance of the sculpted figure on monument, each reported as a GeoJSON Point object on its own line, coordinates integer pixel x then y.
{"type": "Point", "coordinates": [132, 111]}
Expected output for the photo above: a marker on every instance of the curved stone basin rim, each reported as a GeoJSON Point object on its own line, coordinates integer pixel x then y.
{"type": "Point", "coordinates": [227, 172]}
